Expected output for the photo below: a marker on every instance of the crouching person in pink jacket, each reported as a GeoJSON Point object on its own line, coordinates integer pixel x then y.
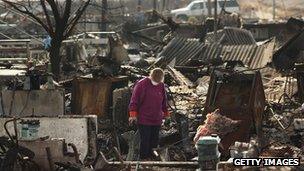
{"type": "Point", "coordinates": [148, 107]}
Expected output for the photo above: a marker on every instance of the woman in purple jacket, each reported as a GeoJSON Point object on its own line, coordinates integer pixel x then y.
{"type": "Point", "coordinates": [148, 107]}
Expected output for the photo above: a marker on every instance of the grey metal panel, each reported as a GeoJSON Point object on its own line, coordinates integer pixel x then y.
{"type": "Point", "coordinates": [252, 55]}
{"type": "Point", "coordinates": [182, 49]}
{"type": "Point", "coordinates": [237, 36]}
{"type": "Point", "coordinates": [268, 52]}
{"type": "Point", "coordinates": [249, 52]}
{"type": "Point", "coordinates": [210, 52]}
{"type": "Point", "coordinates": [258, 57]}
{"type": "Point", "coordinates": [232, 36]}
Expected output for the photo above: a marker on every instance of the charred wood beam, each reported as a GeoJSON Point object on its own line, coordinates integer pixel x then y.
{"type": "Point", "coordinates": [179, 77]}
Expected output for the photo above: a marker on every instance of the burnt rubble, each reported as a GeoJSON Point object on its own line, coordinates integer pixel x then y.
{"type": "Point", "coordinates": [242, 93]}
{"type": "Point", "coordinates": [234, 75]}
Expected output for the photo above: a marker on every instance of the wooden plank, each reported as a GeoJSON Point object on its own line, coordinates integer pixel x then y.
{"type": "Point", "coordinates": [90, 96]}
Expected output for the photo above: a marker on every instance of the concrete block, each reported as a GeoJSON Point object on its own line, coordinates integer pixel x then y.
{"type": "Point", "coordinates": [32, 103]}
{"type": "Point", "coordinates": [79, 130]}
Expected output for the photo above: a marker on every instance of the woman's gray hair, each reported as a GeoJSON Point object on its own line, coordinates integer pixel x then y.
{"type": "Point", "coordinates": [157, 74]}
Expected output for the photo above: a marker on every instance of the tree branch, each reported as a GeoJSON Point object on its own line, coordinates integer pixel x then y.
{"type": "Point", "coordinates": [55, 11]}
{"type": "Point", "coordinates": [47, 16]}
{"type": "Point", "coordinates": [17, 6]}
{"type": "Point", "coordinates": [73, 21]}
{"type": "Point", "coordinates": [67, 13]}
{"type": "Point", "coordinates": [63, 26]}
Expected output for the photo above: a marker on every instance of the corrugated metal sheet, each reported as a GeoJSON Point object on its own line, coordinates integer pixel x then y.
{"type": "Point", "coordinates": [237, 36]}
{"type": "Point", "coordinates": [242, 53]}
{"type": "Point", "coordinates": [263, 55]}
{"type": "Point", "coordinates": [181, 49]}
{"type": "Point", "coordinates": [232, 36]}
{"type": "Point", "coordinates": [210, 36]}
{"type": "Point", "coordinates": [253, 56]}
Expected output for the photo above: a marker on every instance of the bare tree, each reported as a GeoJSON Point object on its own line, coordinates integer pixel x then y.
{"type": "Point", "coordinates": [59, 19]}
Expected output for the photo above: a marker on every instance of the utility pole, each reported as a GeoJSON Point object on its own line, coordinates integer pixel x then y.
{"type": "Point", "coordinates": [215, 20]}
{"type": "Point", "coordinates": [273, 9]}
{"type": "Point", "coordinates": [209, 8]}
{"type": "Point", "coordinates": [154, 4]}
{"type": "Point", "coordinates": [85, 22]}
{"type": "Point", "coordinates": [104, 15]}
{"type": "Point", "coordinates": [163, 5]}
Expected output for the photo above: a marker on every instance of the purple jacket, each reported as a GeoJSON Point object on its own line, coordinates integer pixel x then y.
{"type": "Point", "coordinates": [148, 102]}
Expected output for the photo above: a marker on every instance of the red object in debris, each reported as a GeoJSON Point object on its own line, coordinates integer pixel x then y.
{"type": "Point", "coordinates": [216, 123]}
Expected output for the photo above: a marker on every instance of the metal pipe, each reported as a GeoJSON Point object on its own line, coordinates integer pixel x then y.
{"type": "Point", "coordinates": [158, 163]}
{"type": "Point", "coordinates": [102, 162]}
{"type": "Point", "coordinates": [16, 131]}
{"type": "Point", "coordinates": [76, 154]}
{"type": "Point", "coordinates": [8, 133]}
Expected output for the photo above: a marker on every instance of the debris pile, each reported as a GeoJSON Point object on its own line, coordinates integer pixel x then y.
{"type": "Point", "coordinates": [242, 85]}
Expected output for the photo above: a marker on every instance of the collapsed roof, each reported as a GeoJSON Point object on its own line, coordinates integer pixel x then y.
{"type": "Point", "coordinates": [232, 36]}
{"type": "Point", "coordinates": [234, 45]}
